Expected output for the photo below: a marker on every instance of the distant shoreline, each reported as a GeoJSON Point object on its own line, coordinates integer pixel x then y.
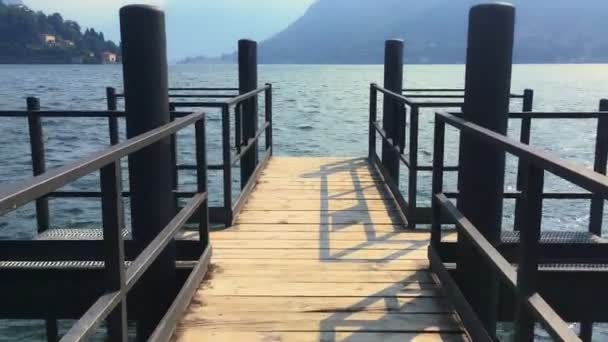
{"type": "Point", "coordinates": [308, 64]}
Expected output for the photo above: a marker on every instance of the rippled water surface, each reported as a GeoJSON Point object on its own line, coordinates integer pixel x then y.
{"type": "Point", "coordinates": [318, 111]}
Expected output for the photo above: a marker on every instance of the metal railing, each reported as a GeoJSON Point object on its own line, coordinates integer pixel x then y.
{"type": "Point", "coordinates": [412, 101]}
{"type": "Point", "coordinates": [111, 306]}
{"type": "Point", "coordinates": [226, 102]}
{"type": "Point", "coordinates": [244, 145]}
{"type": "Point", "coordinates": [523, 280]}
{"type": "Point", "coordinates": [408, 155]}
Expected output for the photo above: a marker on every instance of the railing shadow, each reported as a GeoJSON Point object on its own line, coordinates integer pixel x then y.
{"type": "Point", "coordinates": [357, 215]}
{"type": "Point", "coordinates": [344, 325]}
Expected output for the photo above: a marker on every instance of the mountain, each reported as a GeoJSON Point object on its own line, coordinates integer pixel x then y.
{"type": "Point", "coordinates": [353, 31]}
{"type": "Point", "coordinates": [27, 36]}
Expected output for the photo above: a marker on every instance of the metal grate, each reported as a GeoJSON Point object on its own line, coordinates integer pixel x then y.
{"type": "Point", "coordinates": [574, 267]}
{"type": "Point", "coordinates": [557, 237]}
{"type": "Point", "coordinates": [87, 265]}
{"type": "Point", "coordinates": [88, 233]}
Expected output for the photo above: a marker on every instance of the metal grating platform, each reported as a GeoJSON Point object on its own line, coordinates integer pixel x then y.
{"type": "Point", "coordinates": [557, 237]}
{"type": "Point", "coordinates": [92, 233]}
{"type": "Point", "coordinates": [95, 233]}
{"type": "Point", "coordinates": [83, 265]}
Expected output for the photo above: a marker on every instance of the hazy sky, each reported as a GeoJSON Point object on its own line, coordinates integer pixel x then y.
{"type": "Point", "coordinates": [194, 27]}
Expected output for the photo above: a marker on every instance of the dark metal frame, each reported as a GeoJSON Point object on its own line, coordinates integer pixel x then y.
{"type": "Point", "coordinates": [531, 305]}
{"type": "Point", "coordinates": [111, 306]}
{"type": "Point", "coordinates": [414, 99]}
{"type": "Point", "coordinates": [232, 208]}
{"type": "Point", "coordinates": [422, 215]}
{"type": "Point", "coordinates": [224, 214]}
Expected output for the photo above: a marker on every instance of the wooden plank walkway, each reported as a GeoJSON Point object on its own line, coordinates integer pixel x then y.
{"type": "Point", "coordinates": [319, 254]}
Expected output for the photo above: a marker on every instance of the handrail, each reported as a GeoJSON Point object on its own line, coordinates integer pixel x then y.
{"type": "Point", "coordinates": [238, 99]}
{"type": "Point", "coordinates": [99, 311]}
{"type": "Point", "coordinates": [77, 113]}
{"type": "Point", "coordinates": [581, 176]}
{"type": "Point", "coordinates": [407, 108]}
{"type": "Point", "coordinates": [64, 113]}
{"type": "Point", "coordinates": [120, 281]}
{"type": "Point", "coordinates": [392, 94]}
{"type": "Point", "coordinates": [535, 162]}
{"type": "Point", "coordinates": [23, 192]}
{"type": "Point", "coordinates": [554, 325]}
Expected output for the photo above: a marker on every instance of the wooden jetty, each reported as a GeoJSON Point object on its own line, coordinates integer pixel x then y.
{"type": "Point", "coordinates": [320, 253]}
{"type": "Point", "coordinates": [312, 249]}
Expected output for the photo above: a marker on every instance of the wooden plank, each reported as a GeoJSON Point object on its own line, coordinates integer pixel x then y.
{"type": "Point", "coordinates": [302, 177]}
{"type": "Point", "coordinates": [359, 321]}
{"type": "Point", "coordinates": [315, 196]}
{"type": "Point", "coordinates": [314, 274]}
{"type": "Point", "coordinates": [334, 195]}
{"type": "Point", "coordinates": [228, 287]}
{"type": "Point", "coordinates": [351, 235]}
{"type": "Point", "coordinates": [361, 255]}
{"type": "Point", "coordinates": [311, 205]}
{"type": "Point", "coordinates": [334, 228]}
{"type": "Point", "coordinates": [195, 334]}
{"type": "Point", "coordinates": [317, 304]}
{"type": "Point", "coordinates": [340, 217]}
{"type": "Point", "coordinates": [318, 182]}
{"type": "Point", "coordinates": [318, 187]}
{"type": "Point", "coordinates": [315, 245]}
{"type": "Point", "coordinates": [280, 264]}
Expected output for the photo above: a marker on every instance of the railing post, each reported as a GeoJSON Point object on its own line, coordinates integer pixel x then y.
{"type": "Point", "coordinates": [268, 115]}
{"type": "Point", "coordinates": [174, 161]}
{"type": "Point", "coordinates": [413, 169]}
{"type": "Point", "coordinates": [248, 81]}
{"type": "Point", "coordinates": [111, 209]}
{"type": "Point", "coordinates": [393, 120]}
{"type": "Point", "coordinates": [227, 165]}
{"type": "Point", "coordinates": [150, 173]}
{"type": "Point", "coordinates": [596, 213]}
{"type": "Point", "coordinates": [112, 105]}
{"type": "Point", "coordinates": [38, 160]}
{"type": "Point", "coordinates": [524, 137]}
{"type": "Point", "coordinates": [238, 127]}
{"type": "Point", "coordinates": [201, 181]}
{"type": "Point", "coordinates": [527, 269]}
{"type": "Point", "coordinates": [482, 168]}
{"type": "Point", "coordinates": [373, 117]}
{"type": "Point", "coordinates": [438, 164]}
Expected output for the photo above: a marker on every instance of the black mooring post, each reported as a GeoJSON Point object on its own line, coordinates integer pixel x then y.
{"type": "Point", "coordinates": [393, 117]}
{"type": "Point", "coordinates": [38, 159]}
{"type": "Point", "coordinates": [150, 172]}
{"type": "Point", "coordinates": [248, 81]}
{"type": "Point", "coordinates": [482, 167]}
{"type": "Point", "coordinates": [596, 213]}
{"type": "Point", "coordinates": [112, 105]}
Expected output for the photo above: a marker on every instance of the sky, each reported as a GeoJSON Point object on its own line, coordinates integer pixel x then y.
{"type": "Point", "coordinates": [194, 27]}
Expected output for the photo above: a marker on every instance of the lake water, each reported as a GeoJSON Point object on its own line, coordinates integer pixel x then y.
{"type": "Point", "coordinates": [318, 111]}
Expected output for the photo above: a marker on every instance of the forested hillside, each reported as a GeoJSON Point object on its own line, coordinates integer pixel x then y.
{"type": "Point", "coordinates": [28, 36]}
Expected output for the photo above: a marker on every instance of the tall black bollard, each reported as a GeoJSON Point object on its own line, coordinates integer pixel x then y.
{"type": "Point", "coordinates": [248, 81]}
{"type": "Point", "coordinates": [393, 119]}
{"type": "Point", "coordinates": [150, 173]}
{"type": "Point", "coordinates": [482, 168]}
